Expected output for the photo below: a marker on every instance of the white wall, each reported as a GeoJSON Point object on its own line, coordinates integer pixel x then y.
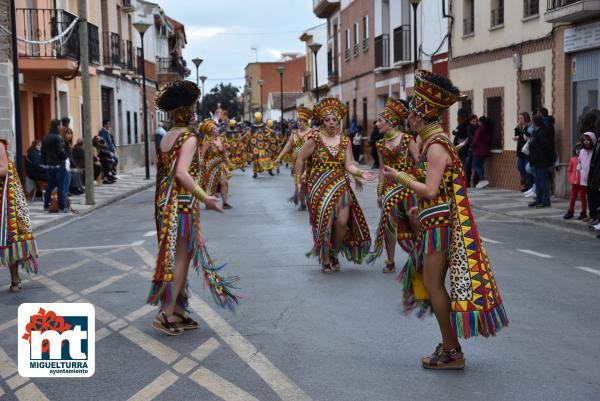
{"type": "Point", "coordinates": [319, 34]}
{"type": "Point", "coordinates": [432, 27]}
{"type": "Point", "coordinates": [131, 101]}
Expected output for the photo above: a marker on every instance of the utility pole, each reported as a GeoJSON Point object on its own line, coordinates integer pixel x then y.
{"type": "Point", "coordinates": [16, 94]}
{"type": "Point", "coordinates": [86, 108]}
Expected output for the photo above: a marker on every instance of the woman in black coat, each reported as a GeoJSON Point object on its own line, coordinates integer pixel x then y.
{"type": "Point", "coordinates": [33, 162]}
{"type": "Point", "coordinates": [541, 158]}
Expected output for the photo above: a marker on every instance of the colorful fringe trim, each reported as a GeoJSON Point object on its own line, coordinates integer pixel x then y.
{"type": "Point", "coordinates": [23, 253]}
{"type": "Point", "coordinates": [479, 323]}
{"type": "Point", "coordinates": [407, 279]}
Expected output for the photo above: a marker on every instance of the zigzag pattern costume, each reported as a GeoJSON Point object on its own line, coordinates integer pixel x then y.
{"type": "Point", "coordinates": [17, 244]}
{"type": "Point", "coordinates": [396, 201]}
{"type": "Point", "coordinates": [328, 190]}
{"type": "Point", "coordinates": [447, 225]}
{"type": "Point", "coordinates": [177, 213]}
{"type": "Point", "coordinates": [214, 166]}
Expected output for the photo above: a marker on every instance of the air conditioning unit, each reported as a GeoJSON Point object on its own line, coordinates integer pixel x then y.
{"type": "Point", "coordinates": [517, 61]}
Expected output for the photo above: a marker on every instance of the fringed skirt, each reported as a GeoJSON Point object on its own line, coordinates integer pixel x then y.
{"type": "Point", "coordinates": [328, 193]}
{"type": "Point", "coordinates": [212, 175]}
{"type": "Point", "coordinates": [262, 161]}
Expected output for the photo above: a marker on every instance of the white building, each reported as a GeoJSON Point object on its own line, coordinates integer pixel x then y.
{"type": "Point", "coordinates": [315, 35]}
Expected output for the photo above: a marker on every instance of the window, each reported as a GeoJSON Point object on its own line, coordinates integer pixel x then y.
{"type": "Point", "coordinates": [365, 121]}
{"type": "Point", "coordinates": [347, 54]}
{"type": "Point", "coordinates": [402, 43]}
{"type": "Point", "coordinates": [135, 127]}
{"type": "Point", "coordinates": [531, 8]}
{"type": "Point", "coordinates": [497, 13]}
{"type": "Point", "coordinates": [365, 33]}
{"type": "Point", "coordinates": [469, 17]}
{"type": "Point", "coordinates": [129, 128]}
{"type": "Point", "coordinates": [356, 40]}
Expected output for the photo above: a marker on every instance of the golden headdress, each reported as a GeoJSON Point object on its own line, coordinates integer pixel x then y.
{"type": "Point", "coordinates": [178, 98]}
{"type": "Point", "coordinates": [258, 117]}
{"type": "Point", "coordinates": [395, 111]}
{"type": "Point", "coordinates": [232, 123]}
{"type": "Point", "coordinates": [207, 126]}
{"type": "Point", "coordinates": [330, 106]}
{"type": "Point", "coordinates": [433, 95]}
{"type": "Point", "coordinates": [269, 123]}
{"type": "Point", "coordinates": [304, 113]}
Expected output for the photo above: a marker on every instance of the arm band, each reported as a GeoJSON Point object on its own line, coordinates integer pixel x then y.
{"type": "Point", "coordinates": [405, 179]}
{"type": "Point", "coordinates": [199, 193]}
{"type": "Point", "coordinates": [358, 173]}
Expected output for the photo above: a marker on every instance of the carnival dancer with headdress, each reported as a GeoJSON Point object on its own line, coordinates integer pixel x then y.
{"type": "Point", "coordinates": [17, 244]}
{"type": "Point", "coordinates": [215, 161]}
{"type": "Point", "coordinates": [338, 223]}
{"type": "Point", "coordinates": [274, 140]}
{"type": "Point", "coordinates": [259, 145]}
{"type": "Point", "coordinates": [177, 213]}
{"type": "Point", "coordinates": [398, 150]}
{"type": "Point", "coordinates": [448, 238]}
{"type": "Point", "coordinates": [233, 144]}
{"type": "Point", "coordinates": [293, 146]}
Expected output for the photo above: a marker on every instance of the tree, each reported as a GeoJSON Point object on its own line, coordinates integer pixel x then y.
{"type": "Point", "coordinates": [227, 95]}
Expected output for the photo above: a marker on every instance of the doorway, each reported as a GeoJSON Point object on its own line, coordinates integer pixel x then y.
{"type": "Point", "coordinates": [494, 113]}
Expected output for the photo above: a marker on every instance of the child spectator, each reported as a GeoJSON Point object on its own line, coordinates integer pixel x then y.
{"type": "Point", "coordinates": [576, 188]}
{"type": "Point", "coordinates": [588, 141]}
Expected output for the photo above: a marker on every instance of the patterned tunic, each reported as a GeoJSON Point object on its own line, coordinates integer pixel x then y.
{"type": "Point", "coordinates": [261, 153]}
{"type": "Point", "coordinates": [177, 215]}
{"type": "Point", "coordinates": [396, 200]}
{"type": "Point", "coordinates": [213, 167]}
{"type": "Point", "coordinates": [328, 191]}
{"type": "Point", "coordinates": [447, 225]}
{"type": "Point", "coordinates": [17, 244]}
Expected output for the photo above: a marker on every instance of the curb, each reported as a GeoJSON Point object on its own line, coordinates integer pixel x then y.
{"type": "Point", "coordinates": [564, 225]}
{"type": "Point", "coordinates": [58, 221]}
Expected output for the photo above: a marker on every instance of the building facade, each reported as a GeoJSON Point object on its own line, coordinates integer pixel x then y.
{"type": "Point", "coordinates": [6, 81]}
{"type": "Point", "coordinates": [502, 60]}
{"type": "Point", "coordinates": [314, 71]}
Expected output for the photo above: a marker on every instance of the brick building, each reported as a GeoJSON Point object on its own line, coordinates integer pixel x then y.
{"type": "Point", "coordinates": [6, 88]}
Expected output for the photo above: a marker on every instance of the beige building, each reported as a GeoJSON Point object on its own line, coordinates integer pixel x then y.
{"type": "Point", "coordinates": [502, 59]}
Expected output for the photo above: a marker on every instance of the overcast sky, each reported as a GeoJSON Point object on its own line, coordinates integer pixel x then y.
{"type": "Point", "coordinates": [222, 33]}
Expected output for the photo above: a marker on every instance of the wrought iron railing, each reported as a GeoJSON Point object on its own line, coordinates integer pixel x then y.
{"type": "Point", "coordinates": [382, 51]}
{"type": "Point", "coordinates": [112, 49]}
{"type": "Point", "coordinates": [130, 56]}
{"type": "Point", "coordinates": [402, 43]}
{"type": "Point", "coordinates": [554, 4]}
{"type": "Point", "coordinates": [171, 65]}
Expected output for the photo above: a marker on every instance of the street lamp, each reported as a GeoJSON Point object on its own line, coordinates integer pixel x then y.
{"type": "Point", "coordinates": [415, 4]}
{"type": "Point", "coordinates": [202, 79]}
{"type": "Point", "coordinates": [280, 70]}
{"type": "Point", "coordinates": [261, 82]}
{"type": "Point", "coordinates": [315, 49]}
{"type": "Point", "coordinates": [197, 61]}
{"type": "Point", "coordinates": [142, 27]}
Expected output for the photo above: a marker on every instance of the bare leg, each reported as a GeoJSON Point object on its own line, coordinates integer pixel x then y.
{"type": "Point", "coordinates": [224, 188]}
{"type": "Point", "coordinates": [182, 263]}
{"type": "Point", "coordinates": [434, 273]}
{"type": "Point", "coordinates": [340, 227]}
{"type": "Point", "coordinates": [14, 278]}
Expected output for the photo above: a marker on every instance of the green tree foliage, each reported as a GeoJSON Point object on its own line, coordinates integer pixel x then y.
{"type": "Point", "coordinates": [226, 95]}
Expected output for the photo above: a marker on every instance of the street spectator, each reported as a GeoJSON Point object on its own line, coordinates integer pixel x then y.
{"type": "Point", "coordinates": [593, 189]}
{"type": "Point", "coordinates": [473, 123]}
{"type": "Point", "coordinates": [356, 138]}
{"type": "Point", "coordinates": [521, 137]}
{"type": "Point", "coordinates": [482, 143]}
{"type": "Point", "coordinates": [73, 183]}
{"type": "Point", "coordinates": [54, 156]}
{"type": "Point", "coordinates": [106, 134]}
{"type": "Point", "coordinates": [375, 137]}
{"type": "Point", "coordinates": [461, 141]}
{"type": "Point", "coordinates": [34, 167]}
{"type": "Point", "coordinates": [541, 158]}
{"type": "Point", "coordinates": [106, 160]}
{"type": "Point", "coordinates": [158, 136]}
{"type": "Point", "coordinates": [574, 177]}
{"type": "Point", "coordinates": [588, 142]}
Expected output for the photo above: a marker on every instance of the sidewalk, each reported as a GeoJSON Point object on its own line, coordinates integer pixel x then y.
{"type": "Point", "coordinates": [128, 184]}
{"type": "Point", "coordinates": [513, 204]}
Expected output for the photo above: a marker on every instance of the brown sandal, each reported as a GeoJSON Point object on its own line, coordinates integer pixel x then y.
{"type": "Point", "coordinates": [186, 323]}
{"type": "Point", "coordinates": [15, 286]}
{"type": "Point", "coordinates": [162, 324]}
{"type": "Point", "coordinates": [445, 359]}
{"type": "Point", "coordinates": [390, 267]}
{"type": "Point", "coordinates": [335, 263]}
{"type": "Point", "coordinates": [326, 268]}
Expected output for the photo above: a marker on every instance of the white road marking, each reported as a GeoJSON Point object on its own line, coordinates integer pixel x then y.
{"type": "Point", "coordinates": [7, 325]}
{"type": "Point", "coordinates": [72, 266]}
{"type": "Point", "coordinates": [148, 258]}
{"type": "Point", "coordinates": [205, 349]}
{"type": "Point", "coordinates": [7, 366]}
{"type": "Point", "coordinates": [281, 385]}
{"type": "Point", "coordinates": [55, 286]}
{"type": "Point", "coordinates": [151, 345]}
{"type": "Point", "coordinates": [16, 381]}
{"type": "Point", "coordinates": [534, 253]}
{"type": "Point", "coordinates": [107, 261]}
{"type": "Point", "coordinates": [491, 241]}
{"type": "Point", "coordinates": [102, 333]}
{"type": "Point", "coordinates": [30, 392]}
{"type": "Point", "coordinates": [588, 269]}
{"type": "Point", "coordinates": [156, 387]}
{"type": "Point", "coordinates": [184, 365]}
{"type": "Point", "coordinates": [219, 386]}
{"type": "Point", "coordinates": [136, 314]}
{"type": "Point", "coordinates": [150, 233]}
{"type": "Point", "coordinates": [81, 248]}
{"type": "Point", "coordinates": [103, 284]}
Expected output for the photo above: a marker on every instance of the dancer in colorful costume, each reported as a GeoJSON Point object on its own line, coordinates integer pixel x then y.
{"type": "Point", "coordinates": [234, 146]}
{"type": "Point", "coordinates": [17, 244]}
{"type": "Point", "coordinates": [177, 213]}
{"type": "Point", "coordinates": [293, 146]}
{"type": "Point", "coordinates": [259, 143]}
{"type": "Point", "coordinates": [214, 161]}
{"type": "Point", "coordinates": [398, 150]}
{"type": "Point", "coordinates": [275, 142]}
{"type": "Point", "coordinates": [338, 223]}
{"type": "Point", "coordinates": [448, 236]}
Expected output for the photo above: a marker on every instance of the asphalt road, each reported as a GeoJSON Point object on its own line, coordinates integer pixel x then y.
{"type": "Point", "coordinates": [299, 334]}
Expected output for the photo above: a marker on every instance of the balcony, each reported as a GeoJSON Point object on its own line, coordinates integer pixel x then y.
{"type": "Point", "coordinates": [355, 49]}
{"type": "Point", "coordinates": [402, 44]}
{"type": "Point", "coordinates": [571, 10]}
{"type": "Point", "coordinates": [112, 49]}
{"type": "Point", "coordinates": [128, 6]}
{"type": "Point", "coordinates": [347, 54]}
{"type": "Point", "coordinates": [130, 57]}
{"type": "Point", "coordinates": [61, 56]}
{"type": "Point", "coordinates": [171, 69]}
{"type": "Point", "coordinates": [382, 51]}
{"type": "Point", "coordinates": [332, 71]}
{"type": "Point", "coordinates": [365, 45]}
{"type": "Point", "coordinates": [324, 8]}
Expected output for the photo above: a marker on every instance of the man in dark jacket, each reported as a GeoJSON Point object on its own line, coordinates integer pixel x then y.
{"type": "Point", "coordinates": [541, 158]}
{"type": "Point", "coordinates": [54, 155]}
{"type": "Point", "coordinates": [593, 189]}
